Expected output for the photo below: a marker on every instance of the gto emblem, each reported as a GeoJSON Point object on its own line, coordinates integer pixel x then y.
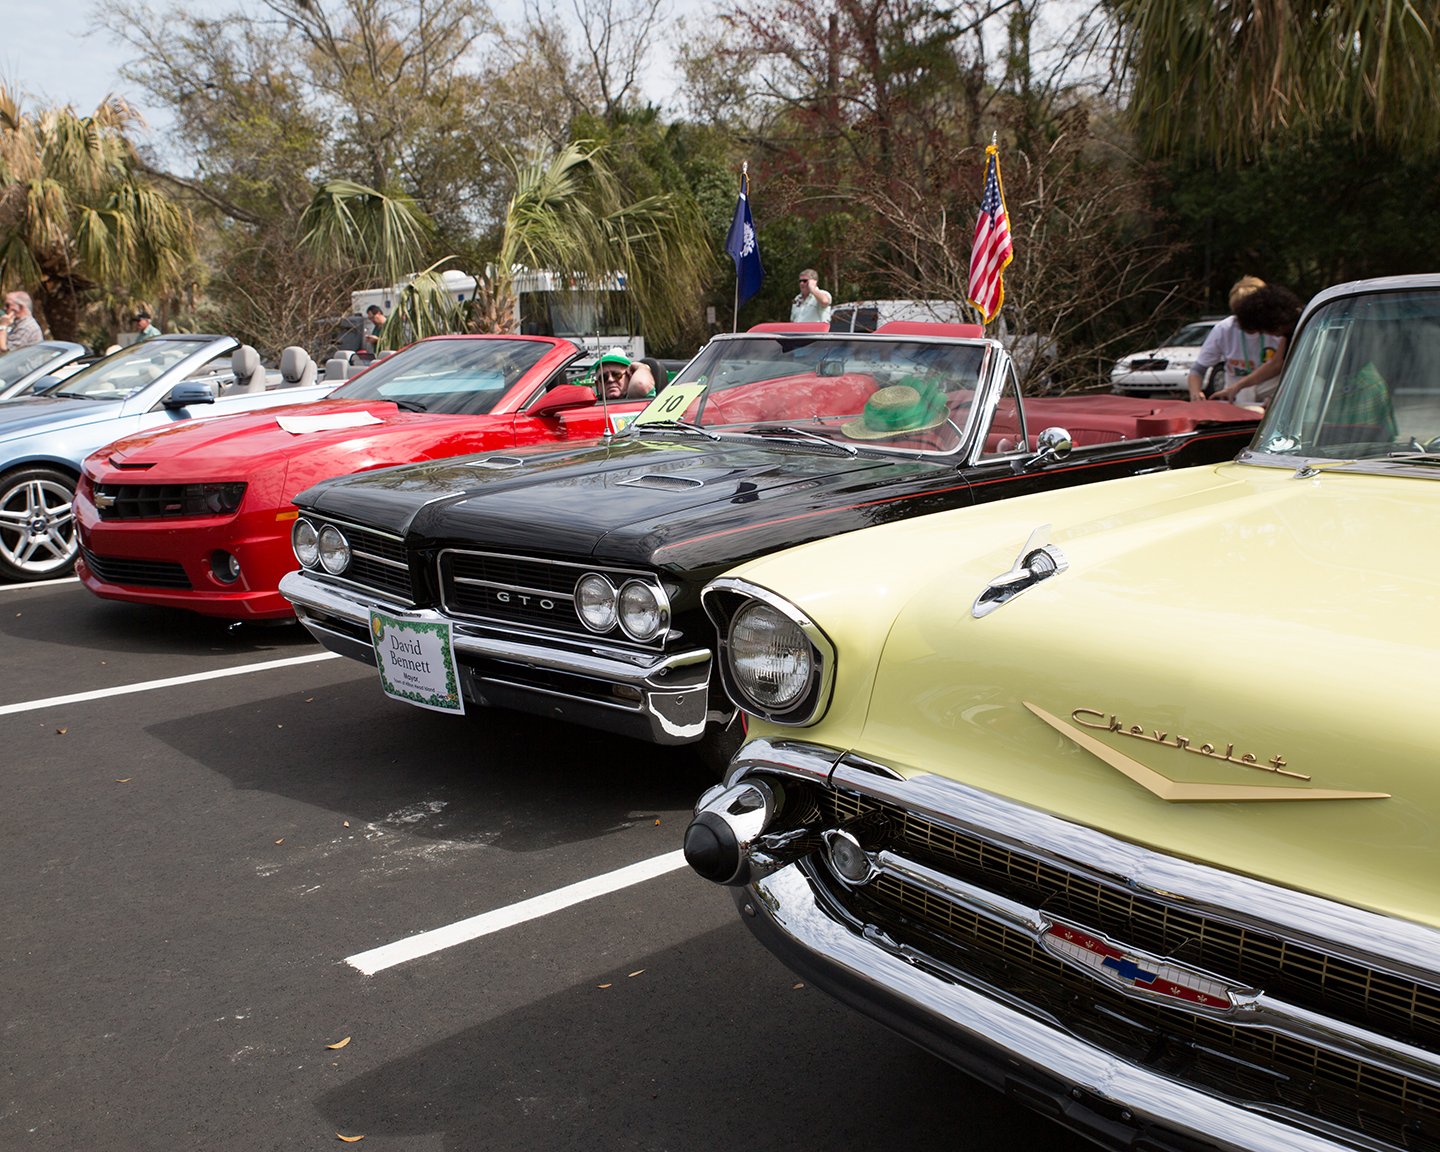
{"type": "Point", "coordinates": [525, 601]}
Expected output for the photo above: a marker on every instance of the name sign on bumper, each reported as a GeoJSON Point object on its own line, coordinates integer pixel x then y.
{"type": "Point", "coordinates": [417, 662]}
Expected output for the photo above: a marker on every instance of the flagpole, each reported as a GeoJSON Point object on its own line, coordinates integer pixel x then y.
{"type": "Point", "coordinates": [744, 191]}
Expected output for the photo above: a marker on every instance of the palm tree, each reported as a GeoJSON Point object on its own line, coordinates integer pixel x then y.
{"type": "Point", "coordinates": [569, 214]}
{"type": "Point", "coordinates": [1225, 77]}
{"type": "Point", "coordinates": [76, 215]}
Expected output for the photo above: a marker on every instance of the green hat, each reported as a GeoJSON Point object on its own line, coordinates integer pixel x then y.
{"type": "Point", "coordinates": [614, 356]}
{"type": "Point", "coordinates": [897, 410]}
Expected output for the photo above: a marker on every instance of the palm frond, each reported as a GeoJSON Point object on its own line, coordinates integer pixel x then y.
{"type": "Point", "coordinates": [347, 222]}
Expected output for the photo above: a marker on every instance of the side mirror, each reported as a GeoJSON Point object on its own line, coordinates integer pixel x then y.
{"type": "Point", "coordinates": [1051, 444]}
{"type": "Point", "coordinates": [189, 392]}
{"type": "Point", "coordinates": [560, 397]}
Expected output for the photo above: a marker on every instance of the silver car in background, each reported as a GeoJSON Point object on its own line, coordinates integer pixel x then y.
{"type": "Point", "coordinates": [43, 439]}
{"type": "Point", "coordinates": [26, 371]}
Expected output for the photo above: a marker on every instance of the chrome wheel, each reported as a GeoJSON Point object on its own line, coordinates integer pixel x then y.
{"type": "Point", "coordinates": [37, 524]}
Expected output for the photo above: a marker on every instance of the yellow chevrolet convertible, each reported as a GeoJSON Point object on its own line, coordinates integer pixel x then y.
{"type": "Point", "coordinates": [1126, 798]}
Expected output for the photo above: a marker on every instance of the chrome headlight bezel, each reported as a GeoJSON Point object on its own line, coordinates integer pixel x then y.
{"type": "Point", "coordinates": [336, 567]}
{"type": "Point", "coordinates": [660, 607]}
{"type": "Point", "coordinates": [604, 623]}
{"type": "Point", "coordinates": [724, 599]}
{"type": "Point", "coordinates": [310, 545]}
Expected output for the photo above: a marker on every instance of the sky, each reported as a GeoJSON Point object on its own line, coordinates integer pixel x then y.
{"type": "Point", "coordinates": [51, 53]}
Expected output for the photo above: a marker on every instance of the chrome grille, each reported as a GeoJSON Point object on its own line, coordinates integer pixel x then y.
{"type": "Point", "coordinates": [525, 590]}
{"type": "Point", "coordinates": [1293, 972]}
{"type": "Point", "coordinates": [1244, 1063]}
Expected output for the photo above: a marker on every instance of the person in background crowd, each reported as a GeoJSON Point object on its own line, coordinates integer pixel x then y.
{"type": "Point", "coordinates": [1243, 354]}
{"type": "Point", "coordinates": [812, 305]}
{"type": "Point", "coordinates": [146, 328]}
{"type": "Point", "coordinates": [20, 328]}
{"type": "Point", "coordinates": [377, 321]}
{"type": "Point", "coordinates": [1272, 312]}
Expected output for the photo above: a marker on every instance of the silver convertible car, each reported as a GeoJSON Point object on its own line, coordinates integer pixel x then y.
{"type": "Point", "coordinates": [36, 367]}
{"type": "Point", "coordinates": [149, 385]}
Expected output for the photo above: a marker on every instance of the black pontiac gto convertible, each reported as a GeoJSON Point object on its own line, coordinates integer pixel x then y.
{"type": "Point", "coordinates": [564, 581]}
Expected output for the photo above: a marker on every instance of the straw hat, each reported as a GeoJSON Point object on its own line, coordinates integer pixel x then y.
{"type": "Point", "coordinates": [897, 411]}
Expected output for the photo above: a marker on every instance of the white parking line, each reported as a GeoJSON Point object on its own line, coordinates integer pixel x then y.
{"type": "Point", "coordinates": [413, 947]}
{"type": "Point", "coordinates": [170, 682]}
{"type": "Point", "coordinates": [39, 584]}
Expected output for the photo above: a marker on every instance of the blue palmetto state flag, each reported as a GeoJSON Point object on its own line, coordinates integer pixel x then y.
{"type": "Point", "coordinates": [743, 247]}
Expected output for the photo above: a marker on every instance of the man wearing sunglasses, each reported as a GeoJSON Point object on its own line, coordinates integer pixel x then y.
{"type": "Point", "coordinates": [812, 305]}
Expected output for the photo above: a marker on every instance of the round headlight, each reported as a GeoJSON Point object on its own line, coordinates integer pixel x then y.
{"type": "Point", "coordinates": [306, 542]}
{"type": "Point", "coordinates": [334, 550]}
{"type": "Point", "coordinates": [641, 613]}
{"type": "Point", "coordinates": [595, 602]}
{"type": "Point", "coordinates": [771, 658]}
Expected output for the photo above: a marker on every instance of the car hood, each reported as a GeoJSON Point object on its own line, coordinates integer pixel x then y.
{"type": "Point", "coordinates": [25, 416]}
{"type": "Point", "coordinates": [1235, 611]}
{"type": "Point", "coordinates": [234, 447]}
{"type": "Point", "coordinates": [641, 500]}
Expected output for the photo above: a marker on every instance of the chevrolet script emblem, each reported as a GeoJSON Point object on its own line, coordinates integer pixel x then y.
{"type": "Point", "coordinates": [1177, 791]}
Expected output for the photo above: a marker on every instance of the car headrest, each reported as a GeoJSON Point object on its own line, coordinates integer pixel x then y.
{"type": "Point", "coordinates": [245, 363]}
{"type": "Point", "coordinates": [335, 368]}
{"type": "Point", "coordinates": [296, 368]}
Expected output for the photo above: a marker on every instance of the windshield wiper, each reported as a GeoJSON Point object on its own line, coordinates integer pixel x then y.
{"type": "Point", "coordinates": [685, 425]}
{"type": "Point", "coordinates": [73, 395]}
{"type": "Point", "coordinates": [787, 431]}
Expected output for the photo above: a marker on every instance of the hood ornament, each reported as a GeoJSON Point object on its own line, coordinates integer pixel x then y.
{"type": "Point", "coordinates": [1038, 560]}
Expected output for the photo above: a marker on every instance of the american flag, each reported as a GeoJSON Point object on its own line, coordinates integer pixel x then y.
{"type": "Point", "coordinates": [992, 250]}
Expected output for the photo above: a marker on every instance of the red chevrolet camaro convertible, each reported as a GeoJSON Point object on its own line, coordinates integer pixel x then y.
{"type": "Point", "coordinates": [199, 516]}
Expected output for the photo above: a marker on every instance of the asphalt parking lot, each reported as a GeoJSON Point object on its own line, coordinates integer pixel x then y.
{"type": "Point", "coordinates": [199, 875]}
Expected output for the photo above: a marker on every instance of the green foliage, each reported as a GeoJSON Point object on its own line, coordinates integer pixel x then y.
{"type": "Point", "coordinates": [424, 308]}
{"type": "Point", "coordinates": [1309, 215]}
{"type": "Point", "coordinates": [382, 236]}
{"type": "Point", "coordinates": [1229, 78]}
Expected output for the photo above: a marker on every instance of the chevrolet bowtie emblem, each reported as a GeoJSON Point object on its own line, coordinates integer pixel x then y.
{"type": "Point", "coordinates": [102, 500]}
{"type": "Point", "coordinates": [1177, 791]}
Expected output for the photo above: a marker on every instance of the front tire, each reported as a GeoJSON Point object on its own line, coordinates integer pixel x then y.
{"type": "Point", "coordinates": [38, 537]}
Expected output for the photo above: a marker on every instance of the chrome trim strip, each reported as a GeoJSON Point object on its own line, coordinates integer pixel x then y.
{"type": "Point", "coordinates": [381, 559]}
{"type": "Point", "coordinates": [943, 1002]}
{"type": "Point", "coordinates": [1410, 949]}
{"type": "Point", "coordinates": [339, 522]}
{"type": "Point", "coordinates": [525, 588]}
{"type": "Point", "coordinates": [824, 650]}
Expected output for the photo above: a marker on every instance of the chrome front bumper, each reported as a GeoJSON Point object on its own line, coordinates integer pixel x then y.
{"type": "Point", "coordinates": [659, 697]}
{"type": "Point", "coordinates": [1083, 1087]}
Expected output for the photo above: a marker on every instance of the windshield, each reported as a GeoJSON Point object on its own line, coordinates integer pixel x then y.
{"type": "Point", "coordinates": [23, 361]}
{"type": "Point", "coordinates": [456, 376]}
{"type": "Point", "coordinates": [1362, 382]}
{"type": "Point", "coordinates": [1190, 336]}
{"type": "Point", "coordinates": [127, 371]}
{"type": "Point", "coordinates": [861, 392]}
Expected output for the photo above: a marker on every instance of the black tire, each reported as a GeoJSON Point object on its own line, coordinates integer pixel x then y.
{"type": "Point", "coordinates": [1214, 379]}
{"type": "Point", "coordinates": [38, 538]}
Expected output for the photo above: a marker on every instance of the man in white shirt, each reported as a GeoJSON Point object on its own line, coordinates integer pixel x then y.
{"type": "Point", "coordinates": [812, 305]}
{"type": "Point", "coordinates": [1250, 359]}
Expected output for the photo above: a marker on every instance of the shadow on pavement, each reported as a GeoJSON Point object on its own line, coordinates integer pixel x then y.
{"type": "Point", "coordinates": [500, 778]}
{"type": "Point", "coordinates": [711, 1048]}
{"type": "Point", "coordinates": [73, 617]}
